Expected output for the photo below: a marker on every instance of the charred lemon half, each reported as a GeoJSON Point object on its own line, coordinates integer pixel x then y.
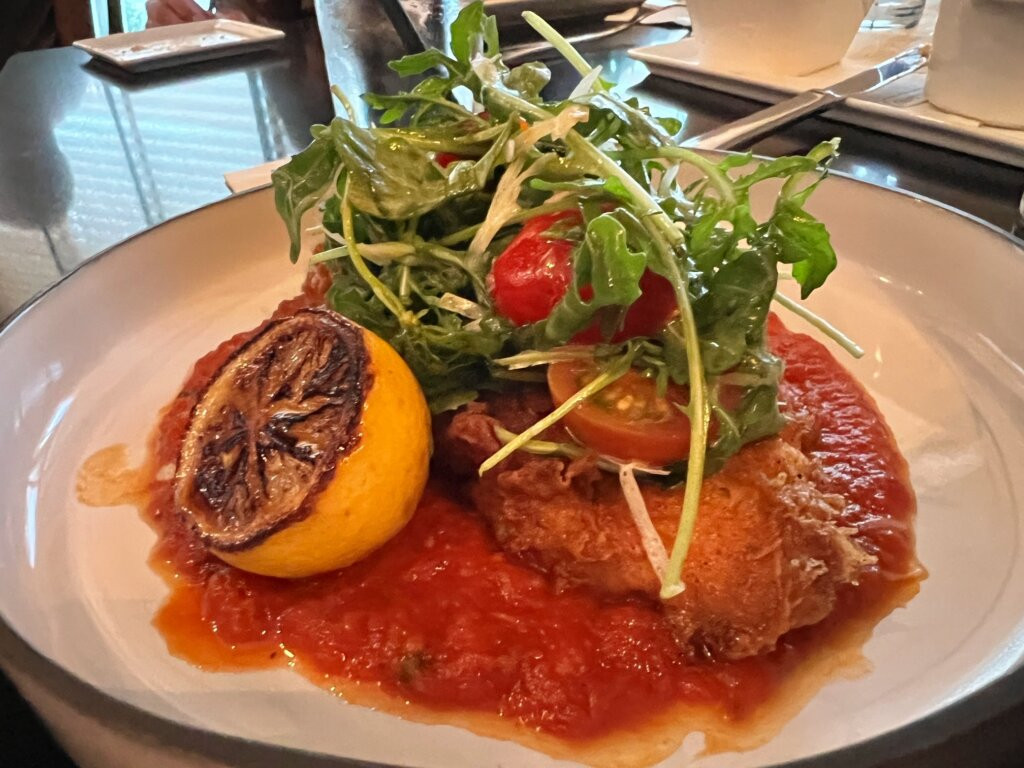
{"type": "Point", "coordinates": [308, 449]}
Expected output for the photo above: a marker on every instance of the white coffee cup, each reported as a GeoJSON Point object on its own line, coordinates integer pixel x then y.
{"type": "Point", "coordinates": [774, 37]}
{"type": "Point", "coordinates": [977, 63]}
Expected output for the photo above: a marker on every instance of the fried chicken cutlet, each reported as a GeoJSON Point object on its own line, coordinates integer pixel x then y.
{"type": "Point", "coordinates": [767, 554]}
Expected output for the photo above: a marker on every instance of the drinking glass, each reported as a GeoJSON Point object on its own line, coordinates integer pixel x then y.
{"type": "Point", "coordinates": [894, 14]}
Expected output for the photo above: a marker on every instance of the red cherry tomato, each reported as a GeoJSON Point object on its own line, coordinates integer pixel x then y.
{"type": "Point", "coordinates": [533, 273]}
{"type": "Point", "coordinates": [645, 317]}
{"type": "Point", "coordinates": [627, 420]}
{"type": "Point", "coordinates": [444, 159]}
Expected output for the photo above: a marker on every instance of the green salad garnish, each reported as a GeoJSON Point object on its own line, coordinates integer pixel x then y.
{"type": "Point", "coordinates": [416, 208]}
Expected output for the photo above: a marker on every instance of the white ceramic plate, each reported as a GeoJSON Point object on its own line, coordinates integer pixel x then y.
{"type": "Point", "coordinates": [933, 296]}
{"type": "Point", "coordinates": [899, 108]}
{"type": "Point", "coordinates": [179, 43]}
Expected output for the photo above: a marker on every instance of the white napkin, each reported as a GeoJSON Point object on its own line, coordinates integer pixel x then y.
{"type": "Point", "coordinates": [250, 178]}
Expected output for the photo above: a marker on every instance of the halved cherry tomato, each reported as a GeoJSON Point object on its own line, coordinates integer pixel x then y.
{"type": "Point", "coordinates": [444, 159]}
{"type": "Point", "coordinates": [533, 273]}
{"type": "Point", "coordinates": [627, 420]}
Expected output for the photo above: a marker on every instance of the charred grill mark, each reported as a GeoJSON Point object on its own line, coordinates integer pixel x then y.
{"type": "Point", "coordinates": [295, 398]}
{"type": "Point", "coordinates": [275, 436]}
{"type": "Point", "coordinates": [221, 461]}
{"type": "Point", "coordinates": [333, 377]}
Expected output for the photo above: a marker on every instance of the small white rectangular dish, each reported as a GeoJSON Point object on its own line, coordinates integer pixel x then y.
{"type": "Point", "coordinates": [179, 44]}
{"type": "Point", "coordinates": [899, 108]}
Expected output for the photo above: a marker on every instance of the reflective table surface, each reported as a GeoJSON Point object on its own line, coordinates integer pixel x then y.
{"type": "Point", "coordinates": [89, 156]}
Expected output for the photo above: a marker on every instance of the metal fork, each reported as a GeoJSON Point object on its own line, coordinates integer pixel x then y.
{"type": "Point", "coordinates": [650, 15]}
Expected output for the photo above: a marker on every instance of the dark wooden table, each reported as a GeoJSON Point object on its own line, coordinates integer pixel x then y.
{"type": "Point", "coordinates": [89, 156]}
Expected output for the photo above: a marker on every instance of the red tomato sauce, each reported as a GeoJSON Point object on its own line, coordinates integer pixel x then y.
{"type": "Point", "coordinates": [439, 617]}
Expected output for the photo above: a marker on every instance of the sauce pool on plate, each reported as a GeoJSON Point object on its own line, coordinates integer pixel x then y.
{"type": "Point", "coordinates": [440, 625]}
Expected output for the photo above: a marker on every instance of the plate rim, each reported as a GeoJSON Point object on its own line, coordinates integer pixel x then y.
{"type": "Point", "coordinates": [981, 705]}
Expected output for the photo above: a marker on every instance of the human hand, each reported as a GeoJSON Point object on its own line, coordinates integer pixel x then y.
{"type": "Point", "coordinates": [163, 12]}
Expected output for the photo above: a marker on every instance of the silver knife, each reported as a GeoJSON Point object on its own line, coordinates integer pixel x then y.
{"type": "Point", "coordinates": [772, 118]}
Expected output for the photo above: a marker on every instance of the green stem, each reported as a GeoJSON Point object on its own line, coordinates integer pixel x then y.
{"type": "Point", "coordinates": [670, 241]}
{"type": "Point", "coordinates": [672, 579]}
{"type": "Point", "coordinates": [535, 357]}
{"type": "Point", "coordinates": [616, 371]}
{"type": "Point", "coordinates": [381, 291]}
{"type": "Point", "coordinates": [340, 96]}
{"type": "Point", "coordinates": [448, 256]}
{"type": "Point", "coordinates": [665, 233]}
{"type": "Point", "coordinates": [558, 42]}
{"type": "Point", "coordinates": [443, 103]}
{"type": "Point", "coordinates": [541, 447]}
{"type": "Point", "coordinates": [328, 255]}
{"type": "Point", "coordinates": [721, 182]}
{"type": "Point", "coordinates": [403, 283]}
{"type": "Point", "coordinates": [462, 235]}
{"type": "Point", "coordinates": [818, 154]}
{"type": "Point", "coordinates": [581, 65]}
{"type": "Point", "coordinates": [821, 324]}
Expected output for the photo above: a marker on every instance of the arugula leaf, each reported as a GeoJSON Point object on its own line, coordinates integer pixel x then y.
{"type": "Point", "coordinates": [733, 312]}
{"type": "Point", "coordinates": [642, 130]}
{"type": "Point", "coordinates": [474, 32]}
{"type": "Point", "coordinates": [757, 416]}
{"type": "Point", "coordinates": [669, 125]}
{"type": "Point", "coordinates": [299, 185]}
{"type": "Point", "coordinates": [352, 297]}
{"type": "Point", "coordinates": [390, 177]}
{"type": "Point", "coordinates": [418, 63]}
{"type": "Point", "coordinates": [606, 271]}
{"type": "Point", "coordinates": [428, 100]}
{"type": "Point", "coordinates": [586, 187]}
{"type": "Point", "coordinates": [528, 80]}
{"type": "Point", "coordinates": [449, 361]}
{"type": "Point", "coordinates": [801, 240]}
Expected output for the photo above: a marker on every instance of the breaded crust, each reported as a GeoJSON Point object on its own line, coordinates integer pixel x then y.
{"type": "Point", "coordinates": [768, 553]}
